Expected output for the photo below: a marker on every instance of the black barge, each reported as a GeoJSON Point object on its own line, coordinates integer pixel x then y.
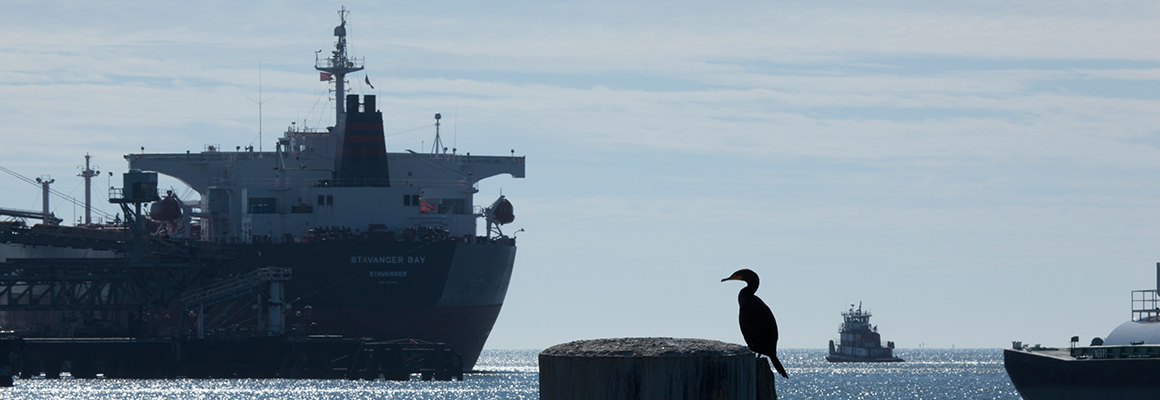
{"type": "Point", "coordinates": [1124, 366]}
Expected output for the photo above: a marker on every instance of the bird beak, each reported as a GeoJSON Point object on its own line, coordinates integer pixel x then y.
{"type": "Point", "coordinates": [731, 278]}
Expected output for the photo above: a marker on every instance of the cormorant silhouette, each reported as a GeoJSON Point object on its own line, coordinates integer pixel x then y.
{"type": "Point", "coordinates": [757, 323]}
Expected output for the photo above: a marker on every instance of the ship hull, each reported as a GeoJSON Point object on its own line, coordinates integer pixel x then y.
{"type": "Point", "coordinates": [446, 291]}
{"type": "Point", "coordinates": [1055, 375]}
{"type": "Point", "coordinates": [843, 358]}
{"type": "Point", "coordinates": [462, 329]}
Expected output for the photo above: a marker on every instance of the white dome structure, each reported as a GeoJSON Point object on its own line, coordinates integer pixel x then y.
{"type": "Point", "coordinates": [1134, 332]}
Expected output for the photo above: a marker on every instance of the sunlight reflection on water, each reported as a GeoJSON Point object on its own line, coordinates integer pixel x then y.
{"type": "Point", "coordinates": [927, 374]}
{"type": "Point", "coordinates": [507, 375]}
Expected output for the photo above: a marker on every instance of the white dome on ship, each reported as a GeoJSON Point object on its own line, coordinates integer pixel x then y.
{"type": "Point", "coordinates": [1134, 331]}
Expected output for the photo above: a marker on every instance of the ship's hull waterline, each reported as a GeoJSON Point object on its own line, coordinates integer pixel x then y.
{"type": "Point", "coordinates": [448, 292]}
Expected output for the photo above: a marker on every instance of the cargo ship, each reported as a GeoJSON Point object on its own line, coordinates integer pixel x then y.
{"type": "Point", "coordinates": [327, 235]}
{"type": "Point", "coordinates": [1126, 365]}
{"type": "Point", "coordinates": [860, 342]}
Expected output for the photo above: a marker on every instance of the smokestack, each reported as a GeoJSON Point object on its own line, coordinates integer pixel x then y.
{"type": "Point", "coordinates": [361, 158]}
{"type": "Point", "coordinates": [352, 104]}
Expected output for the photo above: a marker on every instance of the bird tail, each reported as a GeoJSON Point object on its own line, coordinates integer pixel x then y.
{"type": "Point", "coordinates": [780, 369]}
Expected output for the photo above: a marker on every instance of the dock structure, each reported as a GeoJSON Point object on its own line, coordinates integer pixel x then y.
{"type": "Point", "coordinates": [8, 345]}
{"type": "Point", "coordinates": [398, 359]}
{"type": "Point", "coordinates": [653, 368]}
{"type": "Point", "coordinates": [320, 357]}
{"type": "Point", "coordinates": [269, 350]}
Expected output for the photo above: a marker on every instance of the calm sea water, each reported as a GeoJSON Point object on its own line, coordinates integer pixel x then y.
{"type": "Point", "coordinates": [927, 374]}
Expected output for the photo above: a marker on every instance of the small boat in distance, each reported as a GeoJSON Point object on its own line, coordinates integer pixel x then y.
{"type": "Point", "coordinates": [860, 341]}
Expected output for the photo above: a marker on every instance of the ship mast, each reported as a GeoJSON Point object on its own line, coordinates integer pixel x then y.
{"type": "Point", "coordinates": [438, 142]}
{"type": "Point", "coordinates": [46, 215]}
{"type": "Point", "coordinates": [88, 173]}
{"type": "Point", "coordinates": [339, 64]}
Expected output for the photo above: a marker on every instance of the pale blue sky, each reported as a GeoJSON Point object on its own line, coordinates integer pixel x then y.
{"type": "Point", "coordinates": [975, 172]}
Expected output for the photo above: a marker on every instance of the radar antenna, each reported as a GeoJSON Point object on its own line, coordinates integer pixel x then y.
{"type": "Point", "coordinates": [339, 64]}
{"type": "Point", "coordinates": [438, 142]}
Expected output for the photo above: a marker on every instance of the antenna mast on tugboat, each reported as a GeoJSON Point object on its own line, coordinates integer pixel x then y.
{"type": "Point", "coordinates": [339, 64]}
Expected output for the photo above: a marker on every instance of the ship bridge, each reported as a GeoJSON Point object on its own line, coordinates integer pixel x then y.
{"type": "Point", "coordinates": [294, 189]}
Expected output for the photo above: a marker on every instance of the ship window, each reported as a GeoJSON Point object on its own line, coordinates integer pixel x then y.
{"type": "Point", "coordinates": [453, 206]}
{"type": "Point", "coordinates": [406, 200]}
{"type": "Point", "coordinates": [329, 200]}
{"type": "Point", "coordinates": [321, 200]}
{"type": "Point", "coordinates": [263, 205]}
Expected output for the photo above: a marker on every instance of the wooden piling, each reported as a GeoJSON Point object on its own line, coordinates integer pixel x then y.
{"type": "Point", "coordinates": [648, 368]}
{"type": "Point", "coordinates": [10, 348]}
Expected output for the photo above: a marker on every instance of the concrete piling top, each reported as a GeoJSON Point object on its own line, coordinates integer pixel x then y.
{"type": "Point", "coordinates": [656, 368]}
{"type": "Point", "coordinates": [646, 347]}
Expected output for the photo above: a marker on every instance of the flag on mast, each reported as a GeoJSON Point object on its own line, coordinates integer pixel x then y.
{"type": "Point", "coordinates": [322, 76]}
{"type": "Point", "coordinates": [368, 81]}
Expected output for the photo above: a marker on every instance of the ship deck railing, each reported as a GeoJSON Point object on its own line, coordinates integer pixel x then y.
{"type": "Point", "coordinates": [215, 155]}
{"type": "Point", "coordinates": [1145, 305]}
{"type": "Point", "coordinates": [286, 183]}
{"type": "Point", "coordinates": [1116, 352]}
{"type": "Point", "coordinates": [330, 62]}
{"type": "Point", "coordinates": [353, 183]}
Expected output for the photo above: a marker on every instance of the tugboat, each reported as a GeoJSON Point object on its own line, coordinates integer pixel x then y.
{"type": "Point", "coordinates": [860, 342]}
{"type": "Point", "coordinates": [1125, 366]}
